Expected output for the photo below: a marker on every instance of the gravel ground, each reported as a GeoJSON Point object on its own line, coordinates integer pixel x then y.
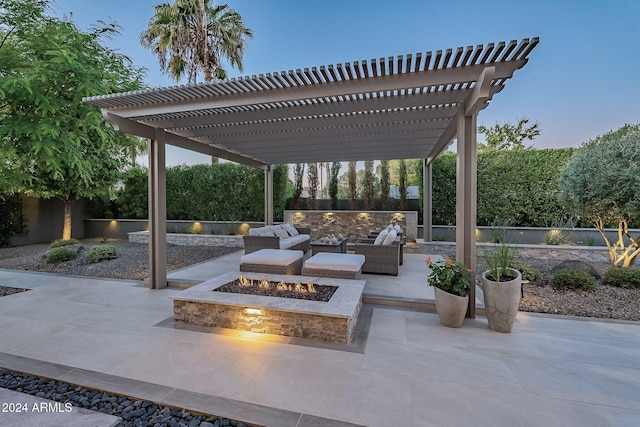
{"type": "Point", "coordinates": [132, 263]}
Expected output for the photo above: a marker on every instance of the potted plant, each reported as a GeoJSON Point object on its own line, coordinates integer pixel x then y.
{"type": "Point", "coordinates": [452, 281]}
{"type": "Point", "coordinates": [501, 286]}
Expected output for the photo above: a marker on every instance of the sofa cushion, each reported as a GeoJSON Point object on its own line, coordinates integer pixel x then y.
{"type": "Point", "coordinates": [300, 238]}
{"type": "Point", "coordinates": [259, 231]}
{"type": "Point", "coordinates": [391, 237]}
{"type": "Point", "coordinates": [287, 243]}
{"type": "Point", "coordinates": [381, 236]}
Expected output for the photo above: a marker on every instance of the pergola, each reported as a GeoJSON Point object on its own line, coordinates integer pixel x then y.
{"type": "Point", "coordinates": [406, 107]}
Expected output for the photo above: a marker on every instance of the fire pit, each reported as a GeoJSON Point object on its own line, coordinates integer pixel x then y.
{"type": "Point", "coordinates": [282, 289]}
{"type": "Point", "coordinates": [261, 307]}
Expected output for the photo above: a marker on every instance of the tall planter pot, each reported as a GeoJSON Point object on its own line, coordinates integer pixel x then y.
{"type": "Point", "coordinates": [501, 300]}
{"type": "Point", "coordinates": [451, 308]}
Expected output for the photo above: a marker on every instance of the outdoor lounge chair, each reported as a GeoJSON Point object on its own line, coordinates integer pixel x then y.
{"type": "Point", "coordinates": [379, 259]}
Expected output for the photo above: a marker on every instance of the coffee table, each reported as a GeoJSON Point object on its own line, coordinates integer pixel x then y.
{"type": "Point", "coordinates": [322, 245]}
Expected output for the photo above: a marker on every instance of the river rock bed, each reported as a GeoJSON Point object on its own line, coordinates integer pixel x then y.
{"type": "Point", "coordinates": [134, 413]}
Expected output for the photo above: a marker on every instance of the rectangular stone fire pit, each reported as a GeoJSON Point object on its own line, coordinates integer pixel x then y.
{"type": "Point", "coordinates": [332, 321]}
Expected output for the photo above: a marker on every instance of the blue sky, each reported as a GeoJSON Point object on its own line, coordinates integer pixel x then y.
{"type": "Point", "coordinates": [580, 82]}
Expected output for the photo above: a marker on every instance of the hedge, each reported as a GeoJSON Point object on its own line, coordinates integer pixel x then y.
{"type": "Point", "coordinates": [220, 192]}
{"type": "Point", "coordinates": [515, 187]}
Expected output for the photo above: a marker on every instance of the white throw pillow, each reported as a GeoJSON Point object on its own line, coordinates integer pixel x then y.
{"type": "Point", "coordinates": [282, 233]}
{"type": "Point", "coordinates": [389, 227]}
{"type": "Point", "coordinates": [397, 228]}
{"type": "Point", "coordinates": [391, 237]}
{"type": "Point", "coordinates": [290, 229]}
{"type": "Point", "coordinates": [381, 237]}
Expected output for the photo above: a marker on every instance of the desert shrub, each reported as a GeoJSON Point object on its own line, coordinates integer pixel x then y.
{"type": "Point", "coordinates": [573, 278]}
{"type": "Point", "coordinates": [61, 243]}
{"type": "Point", "coordinates": [622, 277]}
{"type": "Point", "coordinates": [60, 255]}
{"type": "Point", "coordinates": [528, 272]}
{"type": "Point", "coordinates": [561, 232]}
{"type": "Point", "coordinates": [101, 253]}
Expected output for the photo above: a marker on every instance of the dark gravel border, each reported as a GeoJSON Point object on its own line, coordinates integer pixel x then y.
{"type": "Point", "coordinates": [134, 413]}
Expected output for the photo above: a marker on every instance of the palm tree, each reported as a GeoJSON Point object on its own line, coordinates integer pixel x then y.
{"type": "Point", "coordinates": [190, 36]}
{"type": "Point", "coordinates": [195, 35]}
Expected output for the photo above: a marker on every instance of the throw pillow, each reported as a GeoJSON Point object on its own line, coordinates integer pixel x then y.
{"type": "Point", "coordinates": [397, 228]}
{"type": "Point", "coordinates": [290, 229]}
{"type": "Point", "coordinates": [281, 233]}
{"type": "Point", "coordinates": [391, 237]}
{"type": "Point", "coordinates": [381, 237]}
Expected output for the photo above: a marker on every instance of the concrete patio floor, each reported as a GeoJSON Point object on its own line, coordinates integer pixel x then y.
{"type": "Point", "coordinates": [406, 369]}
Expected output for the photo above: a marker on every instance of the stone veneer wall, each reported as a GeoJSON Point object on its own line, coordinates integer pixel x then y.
{"type": "Point", "coordinates": [191, 239]}
{"type": "Point", "coordinates": [291, 324]}
{"type": "Point", "coordinates": [524, 252]}
{"type": "Point", "coordinates": [356, 225]}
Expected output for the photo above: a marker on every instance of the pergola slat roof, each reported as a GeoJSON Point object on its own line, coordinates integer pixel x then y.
{"type": "Point", "coordinates": [394, 108]}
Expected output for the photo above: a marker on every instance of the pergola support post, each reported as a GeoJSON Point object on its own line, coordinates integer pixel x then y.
{"type": "Point", "coordinates": [427, 200]}
{"type": "Point", "coordinates": [466, 198]}
{"type": "Point", "coordinates": [268, 195]}
{"type": "Point", "coordinates": [157, 211]}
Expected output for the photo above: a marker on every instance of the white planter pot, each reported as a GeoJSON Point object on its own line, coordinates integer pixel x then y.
{"type": "Point", "coordinates": [451, 308]}
{"type": "Point", "coordinates": [501, 301]}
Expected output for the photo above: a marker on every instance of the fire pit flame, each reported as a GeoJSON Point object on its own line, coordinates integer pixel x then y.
{"type": "Point", "coordinates": [280, 286]}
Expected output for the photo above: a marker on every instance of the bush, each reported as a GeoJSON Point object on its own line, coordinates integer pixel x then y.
{"type": "Point", "coordinates": [622, 277]}
{"type": "Point", "coordinates": [101, 253]}
{"type": "Point", "coordinates": [574, 278]}
{"type": "Point", "coordinates": [528, 272]}
{"type": "Point", "coordinates": [220, 192]}
{"type": "Point", "coordinates": [61, 243]}
{"type": "Point", "coordinates": [529, 200]}
{"type": "Point", "coordinates": [60, 255]}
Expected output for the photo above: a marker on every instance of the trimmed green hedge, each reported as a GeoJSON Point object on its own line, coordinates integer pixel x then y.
{"type": "Point", "coordinates": [220, 192]}
{"type": "Point", "coordinates": [515, 187]}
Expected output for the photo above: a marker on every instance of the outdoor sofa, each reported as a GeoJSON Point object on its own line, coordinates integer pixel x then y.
{"type": "Point", "coordinates": [283, 236]}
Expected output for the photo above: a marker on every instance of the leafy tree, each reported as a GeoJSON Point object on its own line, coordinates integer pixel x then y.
{"type": "Point", "coordinates": [402, 186]}
{"type": "Point", "coordinates": [507, 136]}
{"type": "Point", "coordinates": [602, 183]}
{"type": "Point", "coordinates": [368, 184]}
{"type": "Point", "coordinates": [312, 177]}
{"type": "Point", "coordinates": [384, 184]}
{"type": "Point", "coordinates": [190, 36]}
{"type": "Point", "coordinates": [297, 193]}
{"type": "Point", "coordinates": [352, 180]}
{"type": "Point", "coordinates": [55, 145]}
{"type": "Point", "coordinates": [333, 184]}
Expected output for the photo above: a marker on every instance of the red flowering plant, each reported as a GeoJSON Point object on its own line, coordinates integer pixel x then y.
{"type": "Point", "coordinates": [451, 276]}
